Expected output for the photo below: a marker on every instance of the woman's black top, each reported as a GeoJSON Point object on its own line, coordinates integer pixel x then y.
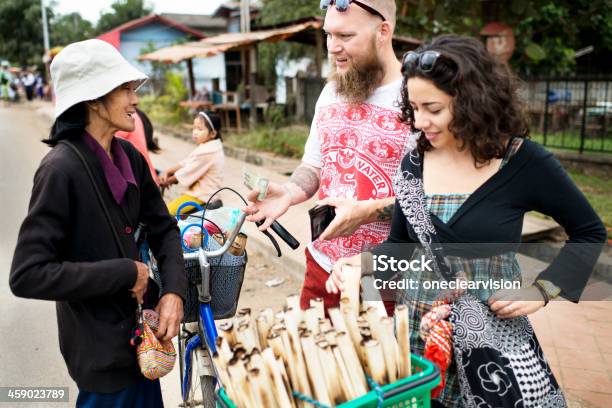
{"type": "Point", "coordinates": [66, 252]}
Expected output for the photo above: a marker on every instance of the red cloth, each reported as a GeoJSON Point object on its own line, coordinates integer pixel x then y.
{"type": "Point", "coordinates": [437, 332]}
{"type": "Point", "coordinates": [314, 287]}
{"type": "Point", "coordinates": [138, 139]}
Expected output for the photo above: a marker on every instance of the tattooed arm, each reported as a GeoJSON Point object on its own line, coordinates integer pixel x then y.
{"type": "Point", "coordinates": [303, 184]}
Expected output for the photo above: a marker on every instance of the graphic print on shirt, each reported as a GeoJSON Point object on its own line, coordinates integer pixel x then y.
{"type": "Point", "coordinates": [361, 148]}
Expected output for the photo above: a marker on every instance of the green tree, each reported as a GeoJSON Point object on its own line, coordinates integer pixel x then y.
{"type": "Point", "coordinates": [21, 33]}
{"type": "Point", "coordinates": [548, 33]}
{"type": "Point", "coordinates": [276, 12]}
{"type": "Point", "coordinates": [123, 11]}
{"type": "Point", "coordinates": [68, 28]}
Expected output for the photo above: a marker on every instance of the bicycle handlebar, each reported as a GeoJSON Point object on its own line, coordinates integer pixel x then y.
{"type": "Point", "coordinates": [219, 252]}
{"type": "Point", "coordinates": [276, 227]}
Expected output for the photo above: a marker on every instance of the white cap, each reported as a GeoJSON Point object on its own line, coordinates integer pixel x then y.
{"type": "Point", "coordinates": [87, 70]}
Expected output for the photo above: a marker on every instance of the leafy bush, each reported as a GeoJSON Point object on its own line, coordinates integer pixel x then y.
{"type": "Point", "coordinates": [288, 141]}
{"type": "Point", "coordinates": [165, 109]}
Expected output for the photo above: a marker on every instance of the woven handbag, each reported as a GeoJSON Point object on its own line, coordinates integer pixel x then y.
{"type": "Point", "coordinates": [156, 358]}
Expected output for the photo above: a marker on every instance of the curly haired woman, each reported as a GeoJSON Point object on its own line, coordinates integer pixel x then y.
{"type": "Point", "coordinates": [471, 179]}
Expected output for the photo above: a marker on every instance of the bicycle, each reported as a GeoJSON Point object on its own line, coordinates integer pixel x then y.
{"type": "Point", "coordinates": [199, 338]}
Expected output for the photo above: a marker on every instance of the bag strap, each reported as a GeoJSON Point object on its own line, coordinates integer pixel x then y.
{"type": "Point", "coordinates": [410, 194]}
{"type": "Point", "coordinates": [98, 194]}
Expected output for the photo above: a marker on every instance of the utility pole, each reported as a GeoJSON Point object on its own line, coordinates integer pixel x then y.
{"type": "Point", "coordinates": [245, 27]}
{"type": "Point", "coordinates": [45, 38]}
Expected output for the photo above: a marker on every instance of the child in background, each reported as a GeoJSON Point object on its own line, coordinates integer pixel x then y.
{"type": "Point", "coordinates": [202, 171]}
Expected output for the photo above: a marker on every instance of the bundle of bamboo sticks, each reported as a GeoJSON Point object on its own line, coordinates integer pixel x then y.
{"type": "Point", "coordinates": [261, 360]}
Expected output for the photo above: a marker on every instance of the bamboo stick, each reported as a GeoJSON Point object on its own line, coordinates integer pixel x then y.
{"type": "Point", "coordinates": [283, 371]}
{"type": "Point", "coordinates": [275, 343]}
{"type": "Point", "coordinates": [376, 361]}
{"type": "Point", "coordinates": [224, 349]}
{"type": "Point", "coordinates": [263, 329]}
{"type": "Point", "coordinates": [315, 369]}
{"type": "Point", "coordinates": [262, 385]}
{"type": "Point", "coordinates": [345, 380]}
{"type": "Point", "coordinates": [389, 347]}
{"type": "Point", "coordinates": [374, 322]}
{"type": "Point", "coordinates": [289, 361]}
{"type": "Point", "coordinates": [353, 364]}
{"type": "Point", "coordinates": [324, 325]}
{"type": "Point", "coordinates": [370, 291]}
{"type": "Point", "coordinates": [238, 376]}
{"type": "Point", "coordinates": [319, 307]}
{"type": "Point", "coordinates": [246, 336]}
{"type": "Point", "coordinates": [311, 319]}
{"type": "Point", "coordinates": [330, 371]}
{"type": "Point", "coordinates": [337, 320]}
{"type": "Point", "coordinates": [268, 313]}
{"type": "Point", "coordinates": [402, 330]}
{"type": "Point", "coordinates": [281, 393]}
{"type": "Point", "coordinates": [291, 323]}
{"type": "Point", "coordinates": [353, 330]}
{"type": "Point", "coordinates": [226, 330]}
{"type": "Point", "coordinates": [279, 318]}
{"type": "Point", "coordinates": [352, 284]}
{"type": "Point", "coordinates": [223, 373]}
{"type": "Point", "coordinates": [256, 362]}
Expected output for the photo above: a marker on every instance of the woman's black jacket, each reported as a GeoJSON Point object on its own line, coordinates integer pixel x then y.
{"type": "Point", "coordinates": [66, 252]}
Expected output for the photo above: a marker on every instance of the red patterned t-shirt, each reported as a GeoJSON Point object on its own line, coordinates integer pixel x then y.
{"type": "Point", "coordinates": [358, 149]}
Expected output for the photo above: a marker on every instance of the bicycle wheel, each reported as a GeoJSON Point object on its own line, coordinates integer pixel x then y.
{"type": "Point", "coordinates": [191, 398]}
{"type": "Point", "coordinates": [207, 384]}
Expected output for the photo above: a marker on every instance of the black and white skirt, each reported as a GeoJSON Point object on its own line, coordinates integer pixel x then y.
{"type": "Point", "coordinates": [499, 361]}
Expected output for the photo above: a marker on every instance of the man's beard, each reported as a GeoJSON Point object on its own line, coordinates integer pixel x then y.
{"type": "Point", "coordinates": [360, 80]}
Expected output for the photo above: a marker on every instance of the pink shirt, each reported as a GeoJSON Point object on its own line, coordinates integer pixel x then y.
{"type": "Point", "coordinates": [138, 139]}
{"type": "Point", "coordinates": [202, 170]}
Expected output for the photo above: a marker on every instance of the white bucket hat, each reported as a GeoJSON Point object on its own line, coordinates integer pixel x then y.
{"type": "Point", "coordinates": [87, 70]}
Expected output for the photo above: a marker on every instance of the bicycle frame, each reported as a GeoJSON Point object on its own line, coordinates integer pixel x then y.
{"type": "Point", "coordinates": [206, 316]}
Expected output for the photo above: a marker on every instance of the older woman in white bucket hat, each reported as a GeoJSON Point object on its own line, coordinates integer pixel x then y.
{"type": "Point", "coordinates": [77, 246]}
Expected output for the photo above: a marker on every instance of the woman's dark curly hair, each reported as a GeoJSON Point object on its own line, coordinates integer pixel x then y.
{"type": "Point", "coordinates": [487, 110]}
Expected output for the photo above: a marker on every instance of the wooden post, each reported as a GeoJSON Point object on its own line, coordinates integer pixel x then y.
{"type": "Point", "coordinates": [252, 73]}
{"type": "Point", "coordinates": [192, 90]}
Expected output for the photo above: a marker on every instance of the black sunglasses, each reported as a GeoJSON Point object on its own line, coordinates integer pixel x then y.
{"type": "Point", "coordinates": [342, 5]}
{"type": "Point", "coordinates": [425, 60]}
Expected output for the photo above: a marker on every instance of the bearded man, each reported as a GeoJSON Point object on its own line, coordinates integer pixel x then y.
{"type": "Point", "coordinates": [355, 145]}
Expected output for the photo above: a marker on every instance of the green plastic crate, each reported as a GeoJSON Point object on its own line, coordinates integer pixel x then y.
{"type": "Point", "coordinates": [409, 392]}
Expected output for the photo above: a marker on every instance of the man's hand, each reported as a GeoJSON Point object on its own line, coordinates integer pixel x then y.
{"type": "Point", "coordinates": [302, 185]}
{"type": "Point", "coordinates": [142, 279]}
{"type": "Point", "coordinates": [350, 215]}
{"type": "Point", "coordinates": [513, 303]}
{"type": "Point", "coordinates": [170, 309]}
{"type": "Point", "coordinates": [276, 203]}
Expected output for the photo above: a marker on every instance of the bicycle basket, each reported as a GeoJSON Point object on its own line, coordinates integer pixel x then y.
{"type": "Point", "coordinates": [226, 277]}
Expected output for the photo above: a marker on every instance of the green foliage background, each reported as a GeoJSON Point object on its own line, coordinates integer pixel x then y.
{"type": "Point", "coordinates": [547, 32]}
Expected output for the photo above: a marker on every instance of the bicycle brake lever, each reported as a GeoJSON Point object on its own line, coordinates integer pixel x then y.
{"type": "Point", "coordinates": [274, 242]}
{"type": "Point", "coordinates": [285, 235]}
{"type": "Point", "coordinates": [282, 233]}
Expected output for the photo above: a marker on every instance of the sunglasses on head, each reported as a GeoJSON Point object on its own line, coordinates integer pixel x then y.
{"type": "Point", "coordinates": [342, 5]}
{"type": "Point", "coordinates": [424, 60]}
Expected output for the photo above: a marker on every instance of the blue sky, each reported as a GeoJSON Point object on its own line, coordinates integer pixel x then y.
{"type": "Point", "coordinates": [91, 9]}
